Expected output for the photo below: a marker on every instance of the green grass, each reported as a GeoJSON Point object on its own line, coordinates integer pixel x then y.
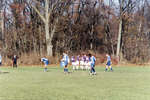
{"type": "Point", "coordinates": [31, 83]}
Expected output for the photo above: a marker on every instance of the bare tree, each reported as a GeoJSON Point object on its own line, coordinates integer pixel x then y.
{"type": "Point", "coordinates": [50, 6]}
{"type": "Point", "coordinates": [125, 6]}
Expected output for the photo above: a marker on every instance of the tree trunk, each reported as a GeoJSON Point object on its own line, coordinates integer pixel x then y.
{"type": "Point", "coordinates": [2, 25]}
{"type": "Point", "coordinates": [112, 49]}
{"type": "Point", "coordinates": [48, 40]}
{"type": "Point", "coordinates": [45, 19]}
{"type": "Point", "coordinates": [91, 46]}
{"type": "Point", "coordinates": [119, 38]}
{"type": "Point", "coordinates": [49, 49]}
{"type": "Point", "coordinates": [91, 33]}
{"type": "Point", "coordinates": [40, 38]}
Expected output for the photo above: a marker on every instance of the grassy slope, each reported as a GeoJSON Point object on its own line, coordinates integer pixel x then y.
{"type": "Point", "coordinates": [125, 83]}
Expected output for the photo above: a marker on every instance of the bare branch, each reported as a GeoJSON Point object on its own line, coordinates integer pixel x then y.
{"type": "Point", "coordinates": [38, 12]}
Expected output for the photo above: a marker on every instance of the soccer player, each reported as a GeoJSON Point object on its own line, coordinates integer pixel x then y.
{"type": "Point", "coordinates": [108, 63]}
{"type": "Point", "coordinates": [66, 61]}
{"type": "Point", "coordinates": [46, 62]}
{"type": "Point", "coordinates": [73, 62]}
{"type": "Point", "coordinates": [87, 63]}
{"type": "Point", "coordinates": [78, 62]}
{"type": "Point", "coordinates": [14, 61]}
{"type": "Point", "coordinates": [82, 62]}
{"type": "Point", "coordinates": [92, 62]}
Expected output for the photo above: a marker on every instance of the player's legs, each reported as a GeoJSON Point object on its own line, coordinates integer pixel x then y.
{"type": "Point", "coordinates": [110, 68]}
{"type": "Point", "coordinates": [81, 65]}
{"type": "Point", "coordinates": [73, 66]}
{"type": "Point", "coordinates": [93, 69]}
{"type": "Point", "coordinates": [77, 65]}
{"type": "Point", "coordinates": [45, 68]}
{"type": "Point", "coordinates": [66, 68]}
{"type": "Point", "coordinates": [14, 64]}
{"type": "Point", "coordinates": [108, 65]}
{"type": "Point", "coordinates": [84, 65]}
{"type": "Point", "coordinates": [88, 64]}
{"type": "Point", "coordinates": [106, 69]}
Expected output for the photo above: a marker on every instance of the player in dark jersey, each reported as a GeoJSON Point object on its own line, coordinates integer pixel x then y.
{"type": "Point", "coordinates": [14, 61]}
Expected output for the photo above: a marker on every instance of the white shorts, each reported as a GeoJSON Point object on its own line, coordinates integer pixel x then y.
{"type": "Point", "coordinates": [81, 63]}
{"type": "Point", "coordinates": [73, 63]}
{"type": "Point", "coordinates": [77, 63]}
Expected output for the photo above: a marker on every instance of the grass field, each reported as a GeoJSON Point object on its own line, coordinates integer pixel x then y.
{"type": "Point", "coordinates": [31, 83]}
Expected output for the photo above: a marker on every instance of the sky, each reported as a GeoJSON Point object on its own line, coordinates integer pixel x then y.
{"type": "Point", "coordinates": [107, 1]}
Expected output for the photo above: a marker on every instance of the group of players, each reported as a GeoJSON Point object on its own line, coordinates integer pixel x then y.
{"type": "Point", "coordinates": [84, 62]}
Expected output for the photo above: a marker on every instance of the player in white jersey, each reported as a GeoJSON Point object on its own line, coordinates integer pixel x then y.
{"type": "Point", "coordinates": [78, 62]}
{"type": "Point", "coordinates": [82, 62]}
{"type": "Point", "coordinates": [87, 63]}
{"type": "Point", "coordinates": [73, 61]}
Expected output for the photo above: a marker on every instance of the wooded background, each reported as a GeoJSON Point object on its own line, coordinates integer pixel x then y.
{"type": "Point", "coordinates": [50, 27]}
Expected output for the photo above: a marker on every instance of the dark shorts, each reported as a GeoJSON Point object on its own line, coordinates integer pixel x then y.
{"type": "Point", "coordinates": [14, 62]}
{"type": "Point", "coordinates": [47, 62]}
{"type": "Point", "coordinates": [108, 63]}
{"type": "Point", "coordinates": [66, 63]}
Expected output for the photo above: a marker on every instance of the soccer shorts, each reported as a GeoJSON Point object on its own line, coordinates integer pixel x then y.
{"type": "Point", "coordinates": [108, 63]}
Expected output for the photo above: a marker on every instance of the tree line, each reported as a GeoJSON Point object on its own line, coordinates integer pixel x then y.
{"type": "Point", "coordinates": [50, 27]}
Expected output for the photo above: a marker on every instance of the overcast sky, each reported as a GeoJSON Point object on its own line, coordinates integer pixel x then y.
{"type": "Point", "coordinates": [107, 1]}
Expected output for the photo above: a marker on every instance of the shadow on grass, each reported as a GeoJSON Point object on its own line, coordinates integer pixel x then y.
{"type": "Point", "coordinates": [4, 72]}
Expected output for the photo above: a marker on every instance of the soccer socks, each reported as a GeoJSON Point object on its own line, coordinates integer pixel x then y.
{"type": "Point", "coordinates": [106, 69]}
{"type": "Point", "coordinates": [92, 71]}
{"type": "Point", "coordinates": [111, 68]}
